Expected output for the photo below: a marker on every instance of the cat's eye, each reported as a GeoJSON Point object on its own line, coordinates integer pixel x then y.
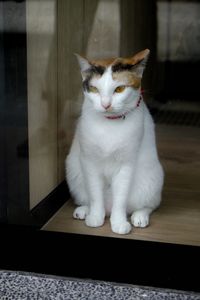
{"type": "Point", "coordinates": [120, 89]}
{"type": "Point", "coordinates": [93, 89]}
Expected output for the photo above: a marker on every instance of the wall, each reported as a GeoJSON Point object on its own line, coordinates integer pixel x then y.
{"type": "Point", "coordinates": [138, 32]}
{"type": "Point", "coordinates": [42, 97]}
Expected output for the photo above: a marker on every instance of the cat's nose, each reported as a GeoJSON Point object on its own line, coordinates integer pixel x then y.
{"type": "Point", "coordinates": [106, 106]}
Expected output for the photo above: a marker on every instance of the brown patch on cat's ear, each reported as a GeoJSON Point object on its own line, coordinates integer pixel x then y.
{"type": "Point", "coordinates": [134, 64]}
{"type": "Point", "coordinates": [139, 61]}
{"type": "Point", "coordinates": [139, 57]}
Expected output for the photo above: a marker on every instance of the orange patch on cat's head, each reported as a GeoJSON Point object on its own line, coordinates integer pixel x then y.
{"type": "Point", "coordinates": [135, 59]}
{"type": "Point", "coordinates": [129, 70]}
{"type": "Point", "coordinates": [103, 62]}
{"type": "Point", "coordinates": [128, 78]}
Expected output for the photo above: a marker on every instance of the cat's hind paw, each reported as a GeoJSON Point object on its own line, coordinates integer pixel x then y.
{"type": "Point", "coordinates": [81, 212]}
{"type": "Point", "coordinates": [121, 228]}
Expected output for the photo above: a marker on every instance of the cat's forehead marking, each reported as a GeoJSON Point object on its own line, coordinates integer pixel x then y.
{"type": "Point", "coordinates": [128, 78]}
{"type": "Point", "coordinates": [122, 70]}
{"type": "Point", "coordinates": [119, 68]}
{"type": "Point", "coordinates": [95, 71]}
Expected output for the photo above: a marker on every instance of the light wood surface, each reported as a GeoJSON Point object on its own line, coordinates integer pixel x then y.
{"type": "Point", "coordinates": [177, 220]}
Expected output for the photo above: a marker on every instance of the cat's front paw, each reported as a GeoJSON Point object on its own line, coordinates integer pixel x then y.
{"type": "Point", "coordinates": [94, 220]}
{"type": "Point", "coordinates": [140, 219]}
{"type": "Point", "coordinates": [121, 228]}
{"type": "Point", "coordinates": [81, 212]}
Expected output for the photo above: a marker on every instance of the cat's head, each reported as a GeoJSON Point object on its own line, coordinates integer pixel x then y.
{"type": "Point", "coordinates": [113, 86]}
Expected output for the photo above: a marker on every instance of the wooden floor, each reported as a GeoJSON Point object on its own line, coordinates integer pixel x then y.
{"type": "Point", "coordinates": [178, 218]}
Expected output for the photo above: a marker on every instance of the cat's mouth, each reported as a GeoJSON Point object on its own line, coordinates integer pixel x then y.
{"type": "Point", "coordinates": [114, 114]}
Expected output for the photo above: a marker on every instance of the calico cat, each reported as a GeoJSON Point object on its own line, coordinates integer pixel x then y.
{"type": "Point", "coordinates": [113, 168]}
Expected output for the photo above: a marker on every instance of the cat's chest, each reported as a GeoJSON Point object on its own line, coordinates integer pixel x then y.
{"type": "Point", "coordinates": [107, 140]}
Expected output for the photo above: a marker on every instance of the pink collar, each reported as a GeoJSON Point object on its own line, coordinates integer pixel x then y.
{"type": "Point", "coordinates": [123, 116]}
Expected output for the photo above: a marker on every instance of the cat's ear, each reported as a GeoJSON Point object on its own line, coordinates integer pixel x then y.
{"type": "Point", "coordinates": [83, 63]}
{"type": "Point", "coordinates": [139, 61]}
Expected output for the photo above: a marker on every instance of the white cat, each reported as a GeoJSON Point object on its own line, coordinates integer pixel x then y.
{"type": "Point", "coordinates": [113, 168]}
